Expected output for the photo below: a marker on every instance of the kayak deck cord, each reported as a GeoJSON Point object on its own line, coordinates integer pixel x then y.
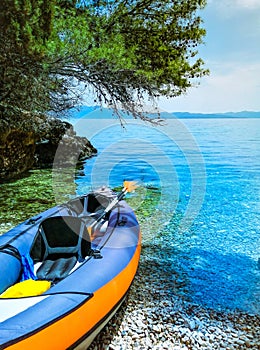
{"type": "Point", "coordinates": [87, 294]}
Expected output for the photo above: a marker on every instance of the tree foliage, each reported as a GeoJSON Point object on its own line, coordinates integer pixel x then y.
{"type": "Point", "coordinates": [24, 80]}
{"type": "Point", "coordinates": [123, 52]}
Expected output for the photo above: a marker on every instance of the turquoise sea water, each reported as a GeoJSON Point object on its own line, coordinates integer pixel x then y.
{"type": "Point", "coordinates": [204, 173]}
{"type": "Point", "coordinates": [208, 215]}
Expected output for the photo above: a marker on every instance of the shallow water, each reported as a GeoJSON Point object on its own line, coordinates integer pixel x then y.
{"type": "Point", "coordinates": [208, 214]}
{"type": "Point", "coordinates": [29, 195]}
{"type": "Point", "coordinates": [198, 200]}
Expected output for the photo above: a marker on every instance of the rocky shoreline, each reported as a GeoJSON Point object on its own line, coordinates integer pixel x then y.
{"type": "Point", "coordinates": [32, 142]}
{"type": "Point", "coordinates": [156, 316]}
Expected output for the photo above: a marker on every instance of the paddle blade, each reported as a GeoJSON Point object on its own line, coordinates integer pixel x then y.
{"type": "Point", "coordinates": [130, 186]}
{"type": "Point", "coordinates": [89, 228]}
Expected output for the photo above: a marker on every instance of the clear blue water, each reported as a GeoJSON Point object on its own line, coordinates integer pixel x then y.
{"type": "Point", "coordinates": [208, 173]}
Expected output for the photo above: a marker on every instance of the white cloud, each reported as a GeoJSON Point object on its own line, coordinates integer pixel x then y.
{"type": "Point", "coordinates": [228, 88]}
{"type": "Point", "coordinates": [234, 4]}
{"type": "Point", "coordinates": [233, 33]}
{"type": "Point", "coordinates": [251, 4]}
{"type": "Point", "coordinates": [227, 9]}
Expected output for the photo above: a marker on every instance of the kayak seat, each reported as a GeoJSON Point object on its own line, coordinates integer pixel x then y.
{"type": "Point", "coordinates": [53, 270]}
{"type": "Point", "coordinates": [60, 242]}
{"type": "Point", "coordinates": [89, 204]}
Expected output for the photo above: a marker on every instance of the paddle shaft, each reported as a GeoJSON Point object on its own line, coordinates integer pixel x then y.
{"type": "Point", "coordinates": [110, 206]}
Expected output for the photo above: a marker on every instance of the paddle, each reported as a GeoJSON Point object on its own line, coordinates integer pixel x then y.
{"type": "Point", "coordinates": [129, 186]}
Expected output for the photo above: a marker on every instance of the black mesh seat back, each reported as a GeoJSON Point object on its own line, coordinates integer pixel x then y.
{"type": "Point", "coordinates": [38, 249]}
{"type": "Point", "coordinates": [90, 203]}
{"type": "Point", "coordinates": [97, 202]}
{"type": "Point", "coordinates": [78, 204]}
{"type": "Point", "coordinates": [61, 235]}
{"type": "Point", "coordinates": [62, 231]}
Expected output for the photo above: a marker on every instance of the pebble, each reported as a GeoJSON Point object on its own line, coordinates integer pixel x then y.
{"type": "Point", "coordinates": [155, 317]}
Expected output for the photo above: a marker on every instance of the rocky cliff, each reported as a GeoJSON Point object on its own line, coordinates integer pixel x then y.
{"type": "Point", "coordinates": [33, 142]}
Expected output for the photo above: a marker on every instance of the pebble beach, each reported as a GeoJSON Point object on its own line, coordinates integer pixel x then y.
{"type": "Point", "coordinates": [155, 315]}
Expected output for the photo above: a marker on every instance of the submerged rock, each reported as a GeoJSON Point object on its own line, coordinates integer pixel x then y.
{"type": "Point", "coordinates": [33, 141]}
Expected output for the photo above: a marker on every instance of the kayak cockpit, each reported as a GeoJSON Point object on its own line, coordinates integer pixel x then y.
{"type": "Point", "coordinates": [90, 204]}
{"type": "Point", "coordinates": [61, 241]}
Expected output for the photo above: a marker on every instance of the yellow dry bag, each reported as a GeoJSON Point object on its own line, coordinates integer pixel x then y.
{"type": "Point", "coordinates": [26, 288]}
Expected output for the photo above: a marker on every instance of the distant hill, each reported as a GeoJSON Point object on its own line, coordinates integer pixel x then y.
{"type": "Point", "coordinates": [187, 115]}
{"type": "Point", "coordinates": [106, 113]}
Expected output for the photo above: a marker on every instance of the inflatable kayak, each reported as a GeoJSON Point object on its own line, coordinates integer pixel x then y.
{"type": "Point", "coordinates": [65, 272]}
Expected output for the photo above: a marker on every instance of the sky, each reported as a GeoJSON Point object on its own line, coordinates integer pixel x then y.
{"type": "Point", "coordinates": [231, 52]}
